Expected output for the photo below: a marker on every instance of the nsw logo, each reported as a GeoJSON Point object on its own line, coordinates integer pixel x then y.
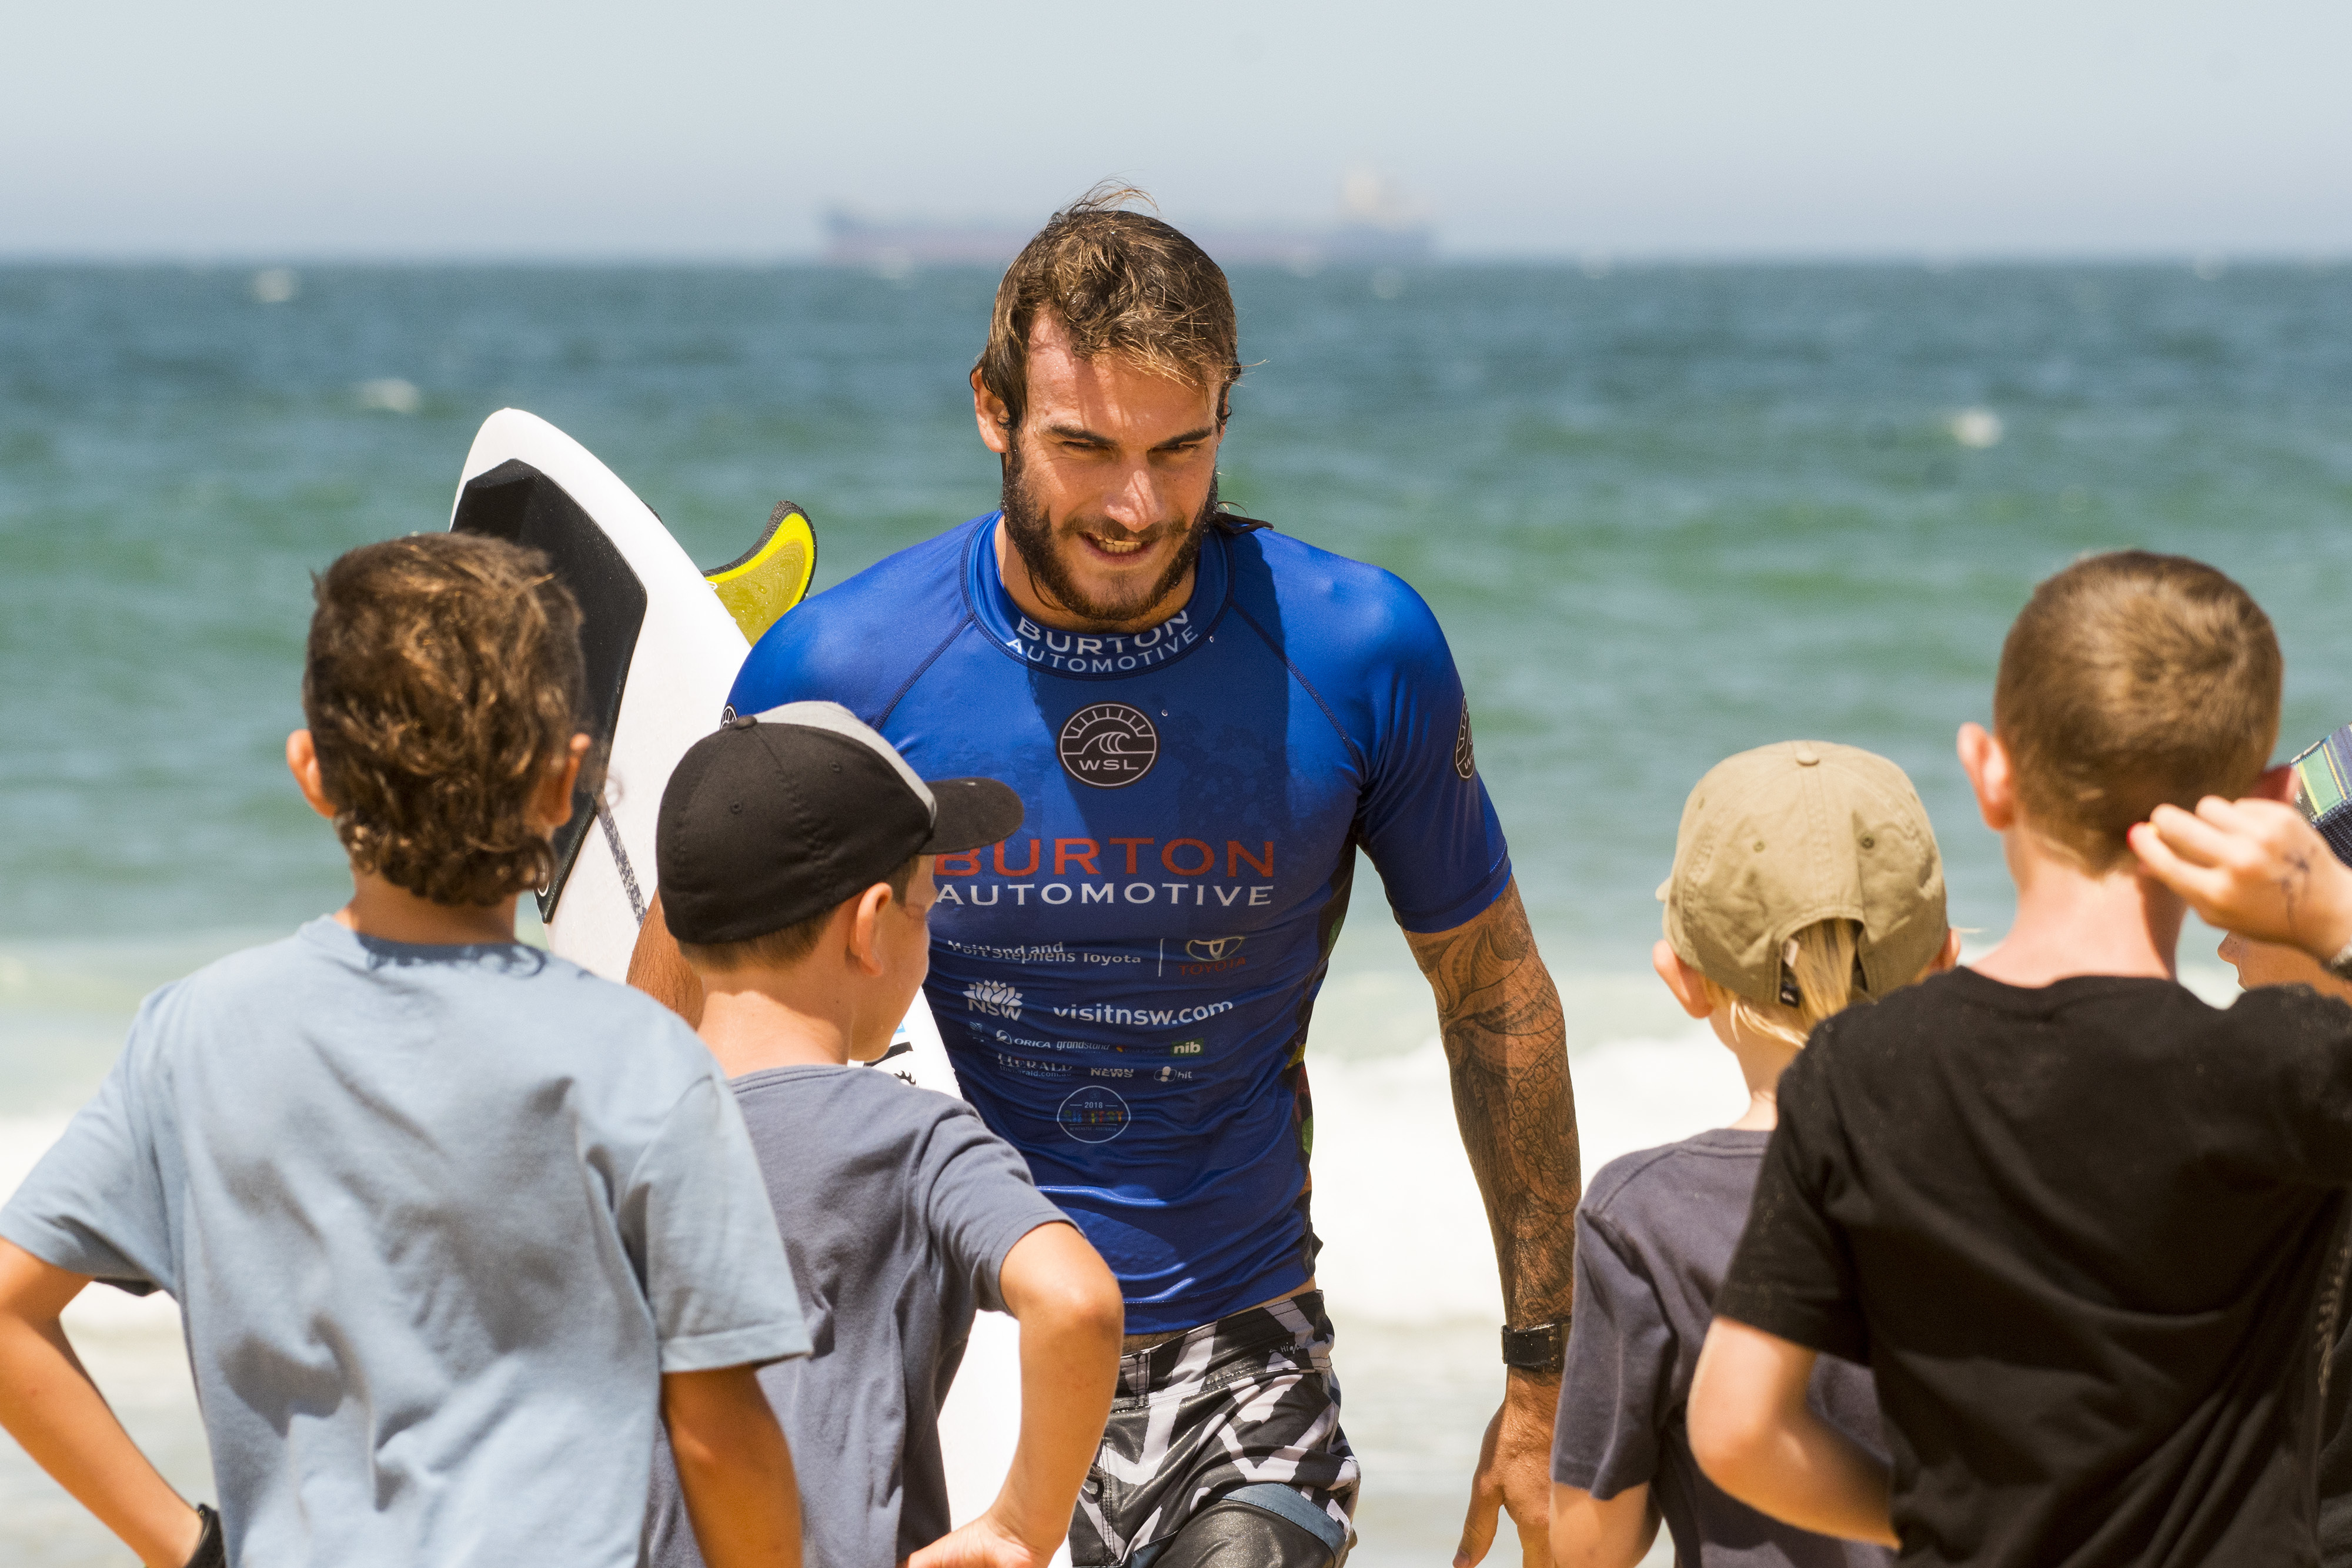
{"type": "Point", "coordinates": [1465, 755]}
{"type": "Point", "coordinates": [993, 998]}
{"type": "Point", "coordinates": [1107, 745]}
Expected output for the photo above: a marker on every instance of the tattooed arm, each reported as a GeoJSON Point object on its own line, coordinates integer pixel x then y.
{"type": "Point", "coordinates": [1505, 1044]}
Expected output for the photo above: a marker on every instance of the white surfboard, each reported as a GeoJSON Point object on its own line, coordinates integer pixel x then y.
{"type": "Point", "coordinates": [662, 652]}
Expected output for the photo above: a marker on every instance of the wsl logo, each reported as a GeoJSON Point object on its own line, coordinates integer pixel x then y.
{"type": "Point", "coordinates": [1108, 745]}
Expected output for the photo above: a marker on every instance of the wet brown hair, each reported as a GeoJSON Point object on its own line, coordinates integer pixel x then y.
{"type": "Point", "coordinates": [787, 945]}
{"type": "Point", "coordinates": [443, 676]}
{"type": "Point", "coordinates": [2128, 681]}
{"type": "Point", "coordinates": [1121, 282]}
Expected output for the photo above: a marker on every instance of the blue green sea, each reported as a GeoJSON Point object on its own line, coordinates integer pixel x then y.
{"type": "Point", "coordinates": [1665, 512]}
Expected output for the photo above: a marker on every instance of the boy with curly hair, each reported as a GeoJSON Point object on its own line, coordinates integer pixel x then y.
{"type": "Point", "coordinates": [452, 1223]}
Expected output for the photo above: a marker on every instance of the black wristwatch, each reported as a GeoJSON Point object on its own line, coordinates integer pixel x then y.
{"type": "Point", "coordinates": [211, 1550]}
{"type": "Point", "coordinates": [1538, 1347]}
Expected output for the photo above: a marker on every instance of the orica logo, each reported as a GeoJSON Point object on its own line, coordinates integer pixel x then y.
{"type": "Point", "coordinates": [993, 998]}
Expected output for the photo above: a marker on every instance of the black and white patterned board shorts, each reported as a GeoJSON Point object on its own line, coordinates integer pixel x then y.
{"type": "Point", "coordinates": [1242, 1410]}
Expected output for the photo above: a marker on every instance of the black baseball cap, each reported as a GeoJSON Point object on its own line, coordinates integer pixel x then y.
{"type": "Point", "coordinates": [777, 818]}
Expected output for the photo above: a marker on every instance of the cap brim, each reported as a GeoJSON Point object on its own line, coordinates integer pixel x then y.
{"type": "Point", "coordinates": [973, 814]}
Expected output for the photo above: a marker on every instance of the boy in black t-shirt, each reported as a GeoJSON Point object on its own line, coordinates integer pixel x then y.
{"type": "Point", "coordinates": [2076, 1221]}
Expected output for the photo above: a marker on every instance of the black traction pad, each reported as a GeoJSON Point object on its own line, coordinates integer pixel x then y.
{"type": "Point", "coordinates": [515, 501]}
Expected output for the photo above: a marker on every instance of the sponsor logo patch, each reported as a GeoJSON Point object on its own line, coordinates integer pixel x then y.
{"type": "Point", "coordinates": [1186, 1047]}
{"type": "Point", "coordinates": [1465, 760]}
{"type": "Point", "coordinates": [1093, 1115]}
{"type": "Point", "coordinates": [993, 998]}
{"type": "Point", "coordinates": [1209, 949]}
{"type": "Point", "coordinates": [1108, 745]}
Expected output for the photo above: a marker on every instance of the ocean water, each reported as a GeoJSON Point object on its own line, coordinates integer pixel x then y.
{"type": "Point", "coordinates": [1664, 513]}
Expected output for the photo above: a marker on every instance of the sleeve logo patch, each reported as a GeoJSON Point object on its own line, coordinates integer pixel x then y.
{"type": "Point", "coordinates": [1108, 745]}
{"type": "Point", "coordinates": [1093, 1115]}
{"type": "Point", "coordinates": [1466, 760]}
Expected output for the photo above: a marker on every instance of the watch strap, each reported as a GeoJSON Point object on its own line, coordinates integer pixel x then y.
{"type": "Point", "coordinates": [211, 1551]}
{"type": "Point", "coordinates": [1538, 1347]}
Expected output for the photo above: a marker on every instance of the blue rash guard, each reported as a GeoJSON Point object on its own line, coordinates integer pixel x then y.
{"type": "Point", "coordinates": [1124, 986]}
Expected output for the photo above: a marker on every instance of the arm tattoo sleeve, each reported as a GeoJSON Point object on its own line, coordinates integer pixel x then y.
{"type": "Point", "coordinates": [1508, 1048]}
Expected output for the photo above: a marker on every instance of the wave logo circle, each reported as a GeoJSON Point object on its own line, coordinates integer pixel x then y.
{"type": "Point", "coordinates": [1093, 1115]}
{"type": "Point", "coordinates": [1109, 745]}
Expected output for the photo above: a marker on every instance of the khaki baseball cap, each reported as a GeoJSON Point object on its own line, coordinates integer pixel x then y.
{"type": "Point", "coordinates": [1774, 839]}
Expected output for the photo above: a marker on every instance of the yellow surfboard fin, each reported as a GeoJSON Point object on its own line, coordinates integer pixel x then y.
{"type": "Point", "coordinates": [760, 584]}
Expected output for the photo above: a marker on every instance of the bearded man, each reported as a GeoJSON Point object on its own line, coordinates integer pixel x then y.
{"type": "Point", "coordinates": [1204, 720]}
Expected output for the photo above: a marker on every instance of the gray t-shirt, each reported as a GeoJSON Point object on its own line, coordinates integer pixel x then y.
{"type": "Point", "coordinates": [1653, 1236]}
{"type": "Point", "coordinates": [438, 1218]}
{"type": "Point", "coordinates": [898, 1207]}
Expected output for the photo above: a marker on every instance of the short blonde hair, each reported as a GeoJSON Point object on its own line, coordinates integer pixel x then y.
{"type": "Point", "coordinates": [1820, 961]}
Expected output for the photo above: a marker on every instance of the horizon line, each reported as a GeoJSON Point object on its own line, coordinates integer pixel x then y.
{"type": "Point", "coordinates": [1594, 260]}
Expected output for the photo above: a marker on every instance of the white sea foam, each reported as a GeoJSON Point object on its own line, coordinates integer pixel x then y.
{"type": "Point", "coordinates": [1405, 1235]}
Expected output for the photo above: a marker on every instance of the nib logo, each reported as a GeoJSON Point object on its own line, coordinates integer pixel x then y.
{"type": "Point", "coordinates": [993, 998]}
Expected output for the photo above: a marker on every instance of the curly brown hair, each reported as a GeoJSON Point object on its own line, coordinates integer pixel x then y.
{"type": "Point", "coordinates": [444, 675]}
{"type": "Point", "coordinates": [1119, 282]}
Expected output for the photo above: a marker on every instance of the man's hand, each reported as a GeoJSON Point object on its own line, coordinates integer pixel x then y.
{"type": "Point", "coordinates": [1507, 1048]}
{"type": "Point", "coordinates": [2254, 867]}
{"type": "Point", "coordinates": [1513, 1473]}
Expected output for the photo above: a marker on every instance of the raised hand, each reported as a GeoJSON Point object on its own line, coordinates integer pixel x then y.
{"type": "Point", "coordinates": [2254, 867]}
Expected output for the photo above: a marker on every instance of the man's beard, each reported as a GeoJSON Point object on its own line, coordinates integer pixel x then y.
{"type": "Point", "coordinates": [1032, 532]}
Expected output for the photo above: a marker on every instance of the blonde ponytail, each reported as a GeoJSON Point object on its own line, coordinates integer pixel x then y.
{"type": "Point", "coordinates": [1820, 961]}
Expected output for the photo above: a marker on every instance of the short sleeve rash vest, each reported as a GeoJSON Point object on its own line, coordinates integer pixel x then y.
{"type": "Point", "coordinates": [1124, 986]}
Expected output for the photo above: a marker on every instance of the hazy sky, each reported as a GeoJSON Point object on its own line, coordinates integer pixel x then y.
{"type": "Point", "coordinates": [721, 127]}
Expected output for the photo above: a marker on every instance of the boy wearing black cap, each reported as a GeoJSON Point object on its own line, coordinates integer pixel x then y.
{"type": "Point", "coordinates": [795, 852]}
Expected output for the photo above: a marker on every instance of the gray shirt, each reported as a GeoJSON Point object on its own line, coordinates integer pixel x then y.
{"type": "Point", "coordinates": [898, 1207]}
{"type": "Point", "coordinates": [438, 1218]}
{"type": "Point", "coordinates": [1653, 1236]}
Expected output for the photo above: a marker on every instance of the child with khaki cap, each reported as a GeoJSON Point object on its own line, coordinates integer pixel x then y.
{"type": "Point", "coordinates": [1805, 877]}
